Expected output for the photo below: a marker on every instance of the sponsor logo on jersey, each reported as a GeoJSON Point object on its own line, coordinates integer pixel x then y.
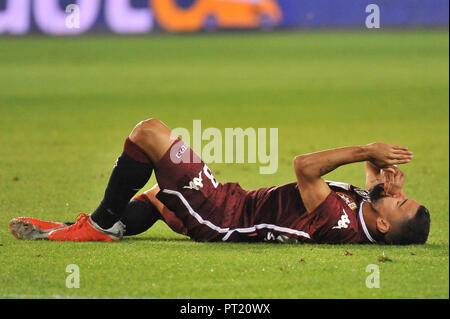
{"type": "Point", "coordinates": [348, 200]}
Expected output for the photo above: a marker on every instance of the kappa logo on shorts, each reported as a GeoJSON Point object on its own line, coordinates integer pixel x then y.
{"type": "Point", "coordinates": [343, 222]}
{"type": "Point", "coordinates": [196, 183]}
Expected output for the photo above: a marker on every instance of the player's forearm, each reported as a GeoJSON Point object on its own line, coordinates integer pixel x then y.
{"type": "Point", "coordinates": [315, 165]}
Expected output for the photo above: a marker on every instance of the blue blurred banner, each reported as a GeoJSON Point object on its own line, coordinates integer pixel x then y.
{"type": "Point", "coordinates": [60, 17]}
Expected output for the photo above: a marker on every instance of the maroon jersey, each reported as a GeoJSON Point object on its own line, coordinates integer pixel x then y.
{"type": "Point", "coordinates": [278, 214]}
{"type": "Point", "coordinates": [213, 211]}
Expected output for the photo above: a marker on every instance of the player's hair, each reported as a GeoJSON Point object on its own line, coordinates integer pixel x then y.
{"type": "Point", "coordinates": [412, 231]}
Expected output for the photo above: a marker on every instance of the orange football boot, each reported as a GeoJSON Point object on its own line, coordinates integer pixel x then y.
{"type": "Point", "coordinates": [32, 228]}
{"type": "Point", "coordinates": [85, 229]}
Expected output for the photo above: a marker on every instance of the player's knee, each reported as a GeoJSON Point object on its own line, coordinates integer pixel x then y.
{"type": "Point", "coordinates": [144, 130]}
{"type": "Point", "coordinates": [148, 125]}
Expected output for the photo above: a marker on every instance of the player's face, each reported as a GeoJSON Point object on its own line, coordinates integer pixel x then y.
{"type": "Point", "coordinates": [396, 209]}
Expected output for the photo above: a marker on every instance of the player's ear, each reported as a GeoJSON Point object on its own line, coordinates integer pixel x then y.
{"type": "Point", "coordinates": [383, 226]}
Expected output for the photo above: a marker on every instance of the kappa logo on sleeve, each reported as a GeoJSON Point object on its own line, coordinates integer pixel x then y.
{"type": "Point", "coordinates": [343, 222]}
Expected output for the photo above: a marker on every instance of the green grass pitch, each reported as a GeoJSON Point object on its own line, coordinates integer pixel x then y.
{"type": "Point", "coordinates": [67, 104]}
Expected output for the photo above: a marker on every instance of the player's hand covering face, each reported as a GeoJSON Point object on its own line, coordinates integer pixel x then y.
{"type": "Point", "coordinates": [394, 180]}
{"type": "Point", "coordinates": [386, 155]}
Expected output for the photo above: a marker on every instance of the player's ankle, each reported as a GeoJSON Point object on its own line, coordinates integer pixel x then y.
{"type": "Point", "coordinates": [104, 217]}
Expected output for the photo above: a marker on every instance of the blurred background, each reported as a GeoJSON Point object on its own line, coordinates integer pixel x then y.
{"type": "Point", "coordinates": [76, 76]}
{"type": "Point", "coordinates": [309, 67]}
{"type": "Point", "coordinates": [142, 16]}
{"type": "Point", "coordinates": [94, 68]}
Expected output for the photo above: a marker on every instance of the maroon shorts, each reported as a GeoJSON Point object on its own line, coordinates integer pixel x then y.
{"type": "Point", "coordinates": [208, 209]}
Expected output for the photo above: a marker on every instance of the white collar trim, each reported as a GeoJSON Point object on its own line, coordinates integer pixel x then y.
{"type": "Point", "coordinates": [363, 223]}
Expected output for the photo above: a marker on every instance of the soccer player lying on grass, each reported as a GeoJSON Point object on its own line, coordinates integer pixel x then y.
{"type": "Point", "coordinates": [190, 200]}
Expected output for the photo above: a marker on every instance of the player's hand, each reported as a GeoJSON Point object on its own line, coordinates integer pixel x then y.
{"type": "Point", "coordinates": [384, 155]}
{"type": "Point", "coordinates": [394, 179]}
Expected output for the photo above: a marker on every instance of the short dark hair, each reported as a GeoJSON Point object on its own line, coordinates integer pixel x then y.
{"type": "Point", "coordinates": [413, 231]}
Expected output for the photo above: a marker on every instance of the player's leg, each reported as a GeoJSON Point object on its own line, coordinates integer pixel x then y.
{"type": "Point", "coordinates": [188, 189]}
{"type": "Point", "coordinates": [177, 167]}
{"type": "Point", "coordinates": [144, 210]}
{"type": "Point", "coordinates": [153, 137]}
{"type": "Point", "coordinates": [146, 144]}
{"type": "Point", "coordinates": [139, 216]}
{"type": "Point", "coordinates": [145, 149]}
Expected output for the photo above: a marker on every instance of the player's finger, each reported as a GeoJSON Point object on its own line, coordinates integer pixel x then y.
{"type": "Point", "coordinates": [400, 161]}
{"type": "Point", "coordinates": [405, 156]}
{"type": "Point", "coordinates": [389, 169]}
{"type": "Point", "coordinates": [400, 151]}
{"type": "Point", "coordinates": [388, 177]}
{"type": "Point", "coordinates": [398, 180]}
{"type": "Point", "coordinates": [400, 157]}
{"type": "Point", "coordinates": [388, 183]}
{"type": "Point", "coordinates": [400, 176]}
{"type": "Point", "coordinates": [399, 147]}
{"type": "Point", "coordinates": [387, 188]}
